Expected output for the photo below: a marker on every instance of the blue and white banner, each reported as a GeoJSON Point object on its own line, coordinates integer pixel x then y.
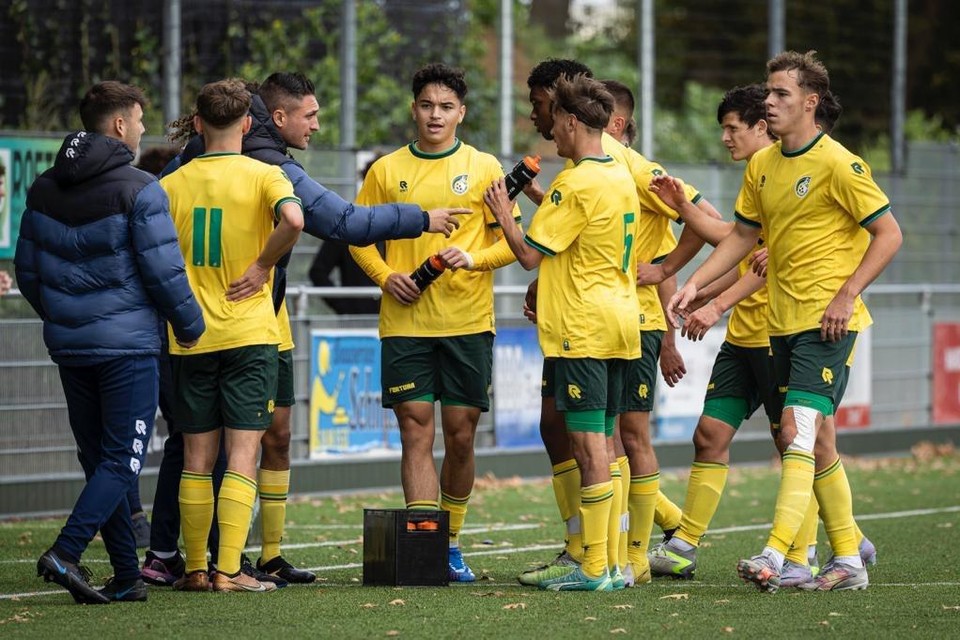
{"type": "Point", "coordinates": [517, 375]}
{"type": "Point", "coordinates": [346, 415]}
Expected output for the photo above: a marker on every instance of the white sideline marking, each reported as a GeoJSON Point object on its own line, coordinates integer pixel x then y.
{"type": "Point", "coordinates": [673, 584]}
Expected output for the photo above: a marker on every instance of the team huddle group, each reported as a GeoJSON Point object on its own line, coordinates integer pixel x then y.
{"type": "Point", "coordinates": [107, 254]}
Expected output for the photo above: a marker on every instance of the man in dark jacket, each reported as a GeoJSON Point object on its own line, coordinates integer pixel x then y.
{"type": "Point", "coordinates": [98, 259]}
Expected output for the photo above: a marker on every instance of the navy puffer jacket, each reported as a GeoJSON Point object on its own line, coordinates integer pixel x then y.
{"type": "Point", "coordinates": [98, 257]}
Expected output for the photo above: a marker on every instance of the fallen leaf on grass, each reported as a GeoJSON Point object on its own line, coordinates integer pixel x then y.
{"type": "Point", "coordinates": [368, 605]}
{"type": "Point", "coordinates": [824, 623]}
{"type": "Point", "coordinates": [721, 602]}
{"type": "Point", "coordinates": [835, 614]}
{"type": "Point", "coordinates": [515, 605]}
{"type": "Point", "coordinates": [487, 594]}
{"type": "Point", "coordinates": [727, 629]}
{"type": "Point", "coordinates": [675, 596]}
{"type": "Point", "coordinates": [623, 606]}
{"type": "Point", "coordinates": [392, 633]}
{"type": "Point", "coordinates": [949, 608]}
{"type": "Point", "coordinates": [25, 538]}
{"type": "Point", "coordinates": [397, 603]}
{"type": "Point", "coordinates": [618, 630]}
{"type": "Point", "coordinates": [590, 619]}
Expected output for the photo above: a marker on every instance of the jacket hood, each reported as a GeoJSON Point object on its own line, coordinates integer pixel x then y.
{"type": "Point", "coordinates": [84, 155]}
{"type": "Point", "coordinates": [263, 134]}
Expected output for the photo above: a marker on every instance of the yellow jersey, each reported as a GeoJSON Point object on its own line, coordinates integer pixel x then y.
{"type": "Point", "coordinates": [585, 227]}
{"type": "Point", "coordinates": [285, 328]}
{"type": "Point", "coordinates": [458, 302]}
{"type": "Point", "coordinates": [224, 206]}
{"type": "Point", "coordinates": [747, 326]}
{"type": "Point", "coordinates": [812, 204]}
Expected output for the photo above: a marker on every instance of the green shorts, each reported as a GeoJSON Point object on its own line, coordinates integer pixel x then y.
{"type": "Point", "coordinates": [742, 379]}
{"type": "Point", "coordinates": [285, 395]}
{"type": "Point", "coordinates": [234, 388]}
{"type": "Point", "coordinates": [810, 367]}
{"type": "Point", "coordinates": [587, 384]}
{"type": "Point", "coordinates": [642, 372]}
{"type": "Point", "coordinates": [455, 369]}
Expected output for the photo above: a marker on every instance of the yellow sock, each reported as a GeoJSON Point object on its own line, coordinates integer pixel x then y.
{"type": "Point", "coordinates": [594, 513]}
{"type": "Point", "coordinates": [423, 505]}
{"type": "Point", "coordinates": [793, 497]}
{"type": "Point", "coordinates": [667, 514]}
{"type": "Point", "coordinates": [273, 487]}
{"type": "Point", "coordinates": [643, 504]}
{"type": "Point", "coordinates": [196, 516]}
{"type": "Point", "coordinates": [859, 534]}
{"type": "Point", "coordinates": [613, 522]}
{"type": "Point", "coordinates": [458, 513]}
{"type": "Point", "coordinates": [624, 465]}
{"type": "Point", "coordinates": [234, 510]}
{"type": "Point", "coordinates": [836, 508]}
{"type": "Point", "coordinates": [807, 534]}
{"type": "Point", "coordinates": [566, 488]}
{"type": "Point", "coordinates": [704, 488]}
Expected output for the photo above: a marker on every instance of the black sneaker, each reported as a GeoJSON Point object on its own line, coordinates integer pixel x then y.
{"type": "Point", "coordinates": [141, 530]}
{"type": "Point", "coordinates": [162, 572]}
{"type": "Point", "coordinates": [72, 577]}
{"type": "Point", "coordinates": [129, 591]}
{"type": "Point", "coordinates": [247, 568]}
{"type": "Point", "coordinates": [286, 571]}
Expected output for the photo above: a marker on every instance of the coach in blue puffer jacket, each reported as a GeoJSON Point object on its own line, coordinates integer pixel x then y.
{"type": "Point", "coordinates": [99, 261]}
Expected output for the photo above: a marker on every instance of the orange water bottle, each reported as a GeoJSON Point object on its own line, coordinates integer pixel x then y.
{"type": "Point", "coordinates": [427, 272]}
{"type": "Point", "coordinates": [521, 175]}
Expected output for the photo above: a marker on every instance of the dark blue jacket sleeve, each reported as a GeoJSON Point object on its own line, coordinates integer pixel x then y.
{"type": "Point", "coordinates": [25, 265]}
{"type": "Point", "coordinates": [161, 265]}
{"type": "Point", "coordinates": [328, 216]}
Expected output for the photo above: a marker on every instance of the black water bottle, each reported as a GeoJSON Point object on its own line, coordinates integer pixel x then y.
{"type": "Point", "coordinates": [521, 175]}
{"type": "Point", "coordinates": [427, 272]}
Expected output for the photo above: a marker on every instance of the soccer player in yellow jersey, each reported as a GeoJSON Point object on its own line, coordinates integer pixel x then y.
{"type": "Point", "coordinates": [437, 344]}
{"type": "Point", "coordinates": [811, 197]}
{"type": "Point", "coordinates": [582, 239]}
{"type": "Point", "coordinates": [742, 377]}
{"type": "Point", "coordinates": [224, 206]}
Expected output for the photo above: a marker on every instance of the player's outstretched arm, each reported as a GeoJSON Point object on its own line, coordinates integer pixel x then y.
{"type": "Point", "coordinates": [496, 198]}
{"type": "Point", "coordinates": [700, 321]}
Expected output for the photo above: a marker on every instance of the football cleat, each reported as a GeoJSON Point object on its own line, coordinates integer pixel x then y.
{"type": "Point", "coordinates": [794, 575]}
{"type": "Point", "coordinates": [532, 577]}
{"type": "Point", "coordinates": [130, 591]}
{"type": "Point", "coordinates": [574, 579]}
{"type": "Point", "coordinates": [241, 582]}
{"type": "Point", "coordinates": [761, 571]}
{"type": "Point", "coordinates": [670, 562]}
{"type": "Point", "coordinates": [285, 571]}
{"type": "Point", "coordinates": [70, 576]}
{"type": "Point", "coordinates": [836, 576]}
{"type": "Point", "coordinates": [459, 571]}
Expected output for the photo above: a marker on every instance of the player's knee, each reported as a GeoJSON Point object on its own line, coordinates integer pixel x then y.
{"type": "Point", "coordinates": [276, 441]}
{"type": "Point", "coordinates": [800, 432]}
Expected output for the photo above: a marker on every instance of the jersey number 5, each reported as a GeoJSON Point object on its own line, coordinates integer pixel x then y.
{"type": "Point", "coordinates": [628, 219]}
{"type": "Point", "coordinates": [201, 256]}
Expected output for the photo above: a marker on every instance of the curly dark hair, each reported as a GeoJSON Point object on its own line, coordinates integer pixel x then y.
{"type": "Point", "coordinates": [747, 102]}
{"type": "Point", "coordinates": [436, 73]}
{"type": "Point", "coordinates": [545, 74]}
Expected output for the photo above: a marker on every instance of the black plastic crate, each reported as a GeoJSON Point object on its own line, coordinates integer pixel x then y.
{"type": "Point", "coordinates": [405, 547]}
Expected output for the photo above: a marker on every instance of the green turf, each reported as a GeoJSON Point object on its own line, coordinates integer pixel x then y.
{"type": "Point", "coordinates": [915, 589]}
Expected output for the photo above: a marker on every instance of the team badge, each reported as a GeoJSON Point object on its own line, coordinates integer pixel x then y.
{"type": "Point", "coordinates": [556, 197]}
{"type": "Point", "coordinates": [643, 391]}
{"type": "Point", "coordinates": [573, 392]}
{"type": "Point", "coordinates": [403, 186]}
{"type": "Point", "coordinates": [803, 187]}
{"type": "Point", "coordinates": [459, 185]}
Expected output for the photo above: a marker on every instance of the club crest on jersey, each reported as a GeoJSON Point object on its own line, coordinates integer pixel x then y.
{"type": "Point", "coordinates": [459, 185]}
{"type": "Point", "coordinates": [803, 187]}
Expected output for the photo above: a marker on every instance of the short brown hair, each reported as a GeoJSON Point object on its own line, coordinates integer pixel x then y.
{"type": "Point", "coordinates": [811, 74]}
{"type": "Point", "coordinates": [223, 102]}
{"type": "Point", "coordinates": [106, 99]}
{"type": "Point", "coordinates": [587, 99]}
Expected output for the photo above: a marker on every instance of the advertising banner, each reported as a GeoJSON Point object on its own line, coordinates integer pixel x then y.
{"type": "Point", "coordinates": [517, 374]}
{"type": "Point", "coordinates": [946, 373]}
{"type": "Point", "coordinates": [346, 415]}
{"type": "Point", "coordinates": [21, 161]}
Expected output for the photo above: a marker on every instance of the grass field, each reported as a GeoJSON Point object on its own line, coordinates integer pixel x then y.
{"type": "Point", "coordinates": [909, 507]}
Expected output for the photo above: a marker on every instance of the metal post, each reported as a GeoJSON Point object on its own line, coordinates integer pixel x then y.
{"type": "Point", "coordinates": [171, 60]}
{"type": "Point", "coordinates": [776, 27]}
{"type": "Point", "coordinates": [348, 96]}
{"type": "Point", "coordinates": [506, 79]}
{"type": "Point", "coordinates": [898, 86]}
{"type": "Point", "coordinates": [645, 62]}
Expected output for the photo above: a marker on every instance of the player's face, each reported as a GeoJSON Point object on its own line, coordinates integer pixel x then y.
{"type": "Point", "coordinates": [540, 113]}
{"type": "Point", "coordinates": [787, 102]}
{"type": "Point", "coordinates": [299, 122]}
{"type": "Point", "coordinates": [741, 140]}
{"type": "Point", "coordinates": [133, 127]}
{"type": "Point", "coordinates": [437, 112]}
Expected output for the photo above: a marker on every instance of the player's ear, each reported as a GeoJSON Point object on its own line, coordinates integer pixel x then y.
{"type": "Point", "coordinates": [279, 117]}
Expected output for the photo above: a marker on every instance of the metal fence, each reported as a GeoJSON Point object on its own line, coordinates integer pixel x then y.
{"type": "Point", "coordinates": [35, 437]}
